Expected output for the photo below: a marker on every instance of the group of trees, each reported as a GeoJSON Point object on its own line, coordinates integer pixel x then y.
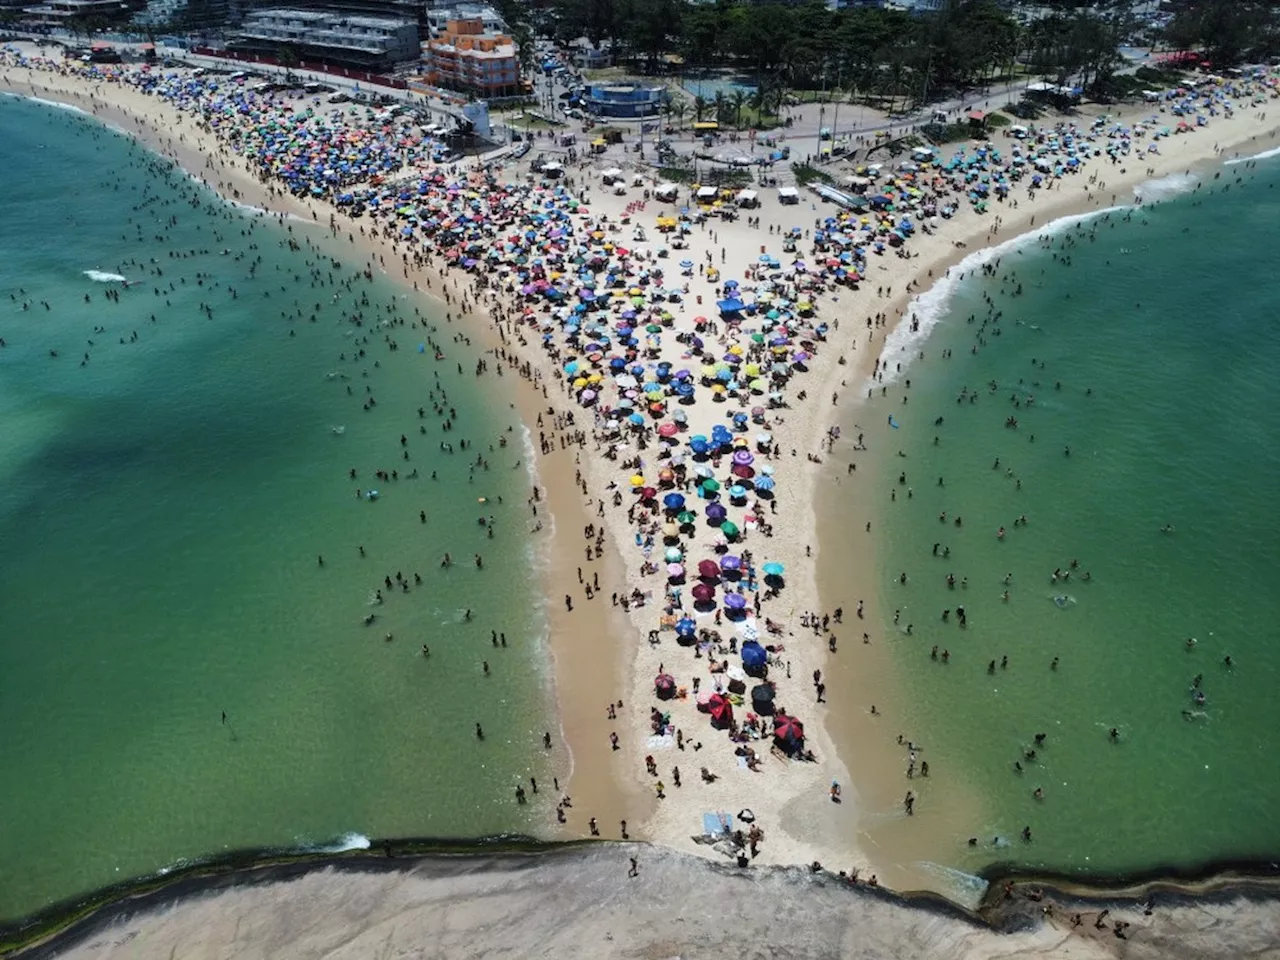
{"type": "Point", "coordinates": [898, 55]}
{"type": "Point", "coordinates": [804, 45]}
{"type": "Point", "coordinates": [1226, 31]}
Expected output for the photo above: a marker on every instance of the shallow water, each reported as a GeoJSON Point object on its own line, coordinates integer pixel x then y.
{"type": "Point", "coordinates": [1168, 412]}
{"type": "Point", "coordinates": [162, 508]}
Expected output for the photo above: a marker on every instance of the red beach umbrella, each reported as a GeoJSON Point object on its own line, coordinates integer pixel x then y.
{"type": "Point", "coordinates": [708, 569]}
{"type": "Point", "coordinates": [788, 729]}
{"type": "Point", "coordinates": [721, 710]}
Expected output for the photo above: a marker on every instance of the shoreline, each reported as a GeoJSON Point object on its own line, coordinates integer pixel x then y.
{"type": "Point", "coordinates": [574, 639]}
{"type": "Point", "coordinates": [857, 728]}
{"type": "Point", "coordinates": [196, 151]}
{"type": "Point", "coordinates": [1014, 904]}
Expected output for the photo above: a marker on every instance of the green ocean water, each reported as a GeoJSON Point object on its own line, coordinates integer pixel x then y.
{"type": "Point", "coordinates": [1147, 344]}
{"type": "Point", "coordinates": [162, 509]}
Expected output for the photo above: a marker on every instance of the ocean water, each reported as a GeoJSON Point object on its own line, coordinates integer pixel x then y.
{"type": "Point", "coordinates": [163, 505]}
{"type": "Point", "coordinates": [1138, 352]}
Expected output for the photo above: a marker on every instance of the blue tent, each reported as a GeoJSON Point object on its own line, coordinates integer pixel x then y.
{"type": "Point", "coordinates": [731, 305]}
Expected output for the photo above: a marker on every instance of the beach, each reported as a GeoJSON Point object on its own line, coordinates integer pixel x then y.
{"type": "Point", "coordinates": [579, 901]}
{"type": "Point", "coordinates": [622, 568]}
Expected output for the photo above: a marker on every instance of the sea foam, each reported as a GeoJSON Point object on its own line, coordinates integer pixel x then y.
{"type": "Point", "coordinates": [1264, 155]}
{"type": "Point", "coordinates": [348, 841]}
{"type": "Point", "coordinates": [1175, 184]}
{"type": "Point", "coordinates": [927, 309]}
{"type": "Point", "coordinates": [61, 106]}
{"type": "Point", "coordinates": [101, 276]}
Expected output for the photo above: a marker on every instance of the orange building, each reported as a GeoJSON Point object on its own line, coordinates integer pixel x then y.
{"type": "Point", "coordinates": [464, 56]}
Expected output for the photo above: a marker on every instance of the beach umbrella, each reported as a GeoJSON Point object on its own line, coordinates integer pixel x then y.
{"type": "Point", "coordinates": [730, 563]}
{"type": "Point", "coordinates": [675, 571]}
{"type": "Point", "coordinates": [686, 626]}
{"type": "Point", "coordinates": [735, 601]}
{"type": "Point", "coordinates": [737, 492]}
{"type": "Point", "coordinates": [716, 511]}
{"type": "Point", "coordinates": [670, 530]}
{"type": "Point", "coordinates": [743, 457]}
{"type": "Point", "coordinates": [664, 686]}
{"type": "Point", "coordinates": [788, 730]}
{"type": "Point", "coordinates": [673, 501]}
{"type": "Point", "coordinates": [721, 710]}
{"type": "Point", "coordinates": [708, 568]}
{"type": "Point", "coordinates": [729, 529]}
{"type": "Point", "coordinates": [773, 569]}
{"type": "Point", "coordinates": [674, 555]}
{"type": "Point", "coordinates": [710, 485]}
{"type": "Point", "coordinates": [703, 592]}
{"type": "Point", "coordinates": [753, 655]}
{"type": "Point", "coordinates": [762, 698]}
{"type": "Point", "coordinates": [685, 517]}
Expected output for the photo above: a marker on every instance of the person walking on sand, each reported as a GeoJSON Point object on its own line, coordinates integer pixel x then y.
{"type": "Point", "coordinates": [635, 868]}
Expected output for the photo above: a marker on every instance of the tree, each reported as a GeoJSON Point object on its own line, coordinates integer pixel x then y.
{"type": "Point", "coordinates": [1229, 31]}
{"type": "Point", "coordinates": [680, 109]}
{"type": "Point", "coordinates": [721, 105]}
{"type": "Point", "coordinates": [699, 108]}
{"type": "Point", "coordinates": [739, 100]}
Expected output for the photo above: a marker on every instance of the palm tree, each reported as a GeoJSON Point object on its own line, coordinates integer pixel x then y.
{"type": "Point", "coordinates": [680, 109]}
{"type": "Point", "coordinates": [739, 101]}
{"type": "Point", "coordinates": [720, 105]}
{"type": "Point", "coordinates": [699, 108]}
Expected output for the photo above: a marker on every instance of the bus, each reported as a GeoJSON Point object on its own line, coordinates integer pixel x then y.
{"type": "Point", "coordinates": [706, 126]}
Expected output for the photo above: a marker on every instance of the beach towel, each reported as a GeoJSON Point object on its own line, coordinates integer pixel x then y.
{"type": "Point", "coordinates": [714, 824]}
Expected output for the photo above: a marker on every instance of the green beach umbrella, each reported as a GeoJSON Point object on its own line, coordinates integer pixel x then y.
{"type": "Point", "coordinates": [711, 484]}
{"type": "Point", "coordinates": [686, 516]}
{"type": "Point", "coordinates": [729, 529]}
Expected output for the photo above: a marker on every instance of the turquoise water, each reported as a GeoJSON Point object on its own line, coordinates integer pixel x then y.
{"type": "Point", "coordinates": [1146, 343]}
{"type": "Point", "coordinates": [162, 509]}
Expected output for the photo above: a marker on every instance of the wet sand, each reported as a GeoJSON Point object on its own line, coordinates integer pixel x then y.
{"type": "Point", "coordinates": [580, 902]}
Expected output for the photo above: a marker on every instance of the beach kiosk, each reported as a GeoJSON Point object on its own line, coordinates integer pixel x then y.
{"type": "Point", "coordinates": [552, 170]}
{"type": "Point", "coordinates": [707, 194]}
{"type": "Point", "coordinates": [666, 191]}
{"type": "Point", "coordinates": [788, 195]}
{"type": "Point", "coordinates": [748, 198]}
{"type": "Point", "coordinates": [611, 176]}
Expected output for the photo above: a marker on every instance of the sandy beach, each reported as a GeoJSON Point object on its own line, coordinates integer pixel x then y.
{"type": "Point", "coordinates": [614, 600]}
{"type": "Point", "coordinates": [581, 902]}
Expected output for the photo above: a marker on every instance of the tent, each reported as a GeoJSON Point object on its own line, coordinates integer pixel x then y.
{"type": "Point", "coordinates": [788, 195]}
{"type": "Point", "coordinates": [748, 198]}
